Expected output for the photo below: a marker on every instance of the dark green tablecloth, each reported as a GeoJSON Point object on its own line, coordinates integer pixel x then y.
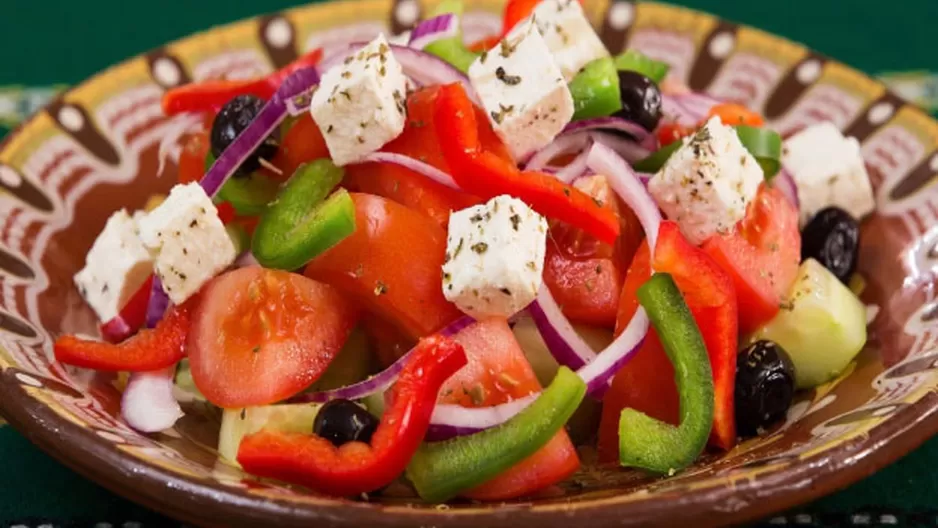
{"type": "Point", "coordinates": [45, 43]}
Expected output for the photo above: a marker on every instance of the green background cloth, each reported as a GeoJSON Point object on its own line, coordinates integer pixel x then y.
{"type": "Point", "coordinates": [68, 41]}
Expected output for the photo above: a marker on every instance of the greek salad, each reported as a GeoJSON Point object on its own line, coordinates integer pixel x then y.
{"type": "Point", "coordinates": [463, 266]}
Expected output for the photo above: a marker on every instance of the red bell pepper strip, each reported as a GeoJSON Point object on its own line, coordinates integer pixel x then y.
{"type": "Point", "coordinates": [516, 11]}
{"type": "Point", "coordinates": [209, 96]}
{"type": "Point", "coordinates": [357, 467]}
{"type": "Point", "coordinates": [149, 350]}
{"type": "Point", "coordinates": [486, 175]}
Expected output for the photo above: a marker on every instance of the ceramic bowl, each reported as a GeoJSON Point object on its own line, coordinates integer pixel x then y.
{"type": "Point", "coordinates": [105, 144]}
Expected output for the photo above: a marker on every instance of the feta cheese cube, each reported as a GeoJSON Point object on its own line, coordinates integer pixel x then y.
{"type": "Point", "coordinates": [523, 90]}
{"type": "Point", "coordinates": [115, 268]}
{"type": "Point", "coordinates": [188, 240]}
{"type": "Point", "coordinates": [360, 104]}
{"type": "Point", "coordinates": [828, 170]}
{"type": "Point", "coordinates": [494, 257]}
{"type": "Point", "coordinates": [707, 183]}
{"type": "Point", "coordinates": [569, 35]}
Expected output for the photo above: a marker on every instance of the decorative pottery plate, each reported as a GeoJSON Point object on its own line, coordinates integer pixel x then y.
{"type": "Point", "coordinates": [105, 144]}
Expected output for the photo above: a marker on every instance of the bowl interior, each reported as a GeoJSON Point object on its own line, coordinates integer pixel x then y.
{"type": "Point", "coordinates": [105, 144]}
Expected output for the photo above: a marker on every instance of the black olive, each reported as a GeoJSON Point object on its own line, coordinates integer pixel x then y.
{"type": "Point", "coordinates": [342, 421]}
{"type": "Point", "coordinates": [765, 386]}
{"type": "Point", "coordinates": [234, 117]}
{"type": "Point", "coordinates": [641, 99]}
{"type": "Point", "coordinates": [832, 238]}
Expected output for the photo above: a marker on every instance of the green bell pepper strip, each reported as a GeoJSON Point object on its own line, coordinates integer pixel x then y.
{"type": "Point", "coordinates": [453, 51]}
{"type": "Point", "coordinates": [249, 195]}
{"type": "Point", "coordinates": [595, 90]}
{"type": "Point", "coordinates": [439, 471]}
{"type": "Point", "coordinates": [650, 444]}
{"type": "Point", "coordinates": [633, 60]}
{"type": "Point", "coordinates": [765, 145]}
{"type": "Point", "coordinates": [657, 159]}
{"type": "Point", "coordinates": [299, 225]}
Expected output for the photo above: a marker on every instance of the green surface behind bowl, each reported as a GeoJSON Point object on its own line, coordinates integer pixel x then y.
{"type": "Point", "coordinates": [47, 43]}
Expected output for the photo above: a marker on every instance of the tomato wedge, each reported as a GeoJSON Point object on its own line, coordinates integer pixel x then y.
{"type": "Point", "coordinates": [761, 255]}
{"type": "Point", "coordinates": [391, 266]}
{"type": "Point", "coordinates": [419, 141]}
{"type": "Point", "coordinates": [302, 143]}
{"type": "Point", "coordinates": [260, 336]}
{"type": "Point", "coordinates": [192, 157]}
{"type": "Point", "coordinates": [498, 372]}
{"type": "Point", "coordinates": [584, 274]}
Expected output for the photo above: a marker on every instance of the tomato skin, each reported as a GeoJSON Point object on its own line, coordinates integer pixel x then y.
{"type": "Point", "coordinates": [391, 266]}
{"type": "Point", "coordinates": [192, 158]}
{"type": "Point", "coordinates": [498, 372]}
{"type": "Point", "coordinates": [732, 114]}
{"type": "Point", "coordinates": [484, 44]}
{"type": "Point", "coordinates": [302, 143]}
{"type": "Point", "coordinates": [647, 383]}
{"type": "Point", "coordinates": [260, 336]}
{"type": "Point", "coordinates": [385, 339]}
{"type": "Point", "coordinates": [668, 133]}
{"type": "Point", "coordinates": [761, 255]}
{"type": "Point", "coordinates": [585, 275]}
{"type": "Point", "coordinates": [419, 141]}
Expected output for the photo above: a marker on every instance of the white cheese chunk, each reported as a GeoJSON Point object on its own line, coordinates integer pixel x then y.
{"type": "Point", "coordinates": [188, 240]}
{"type": "Point", "coordinates": [116, 267]}
{"type": "Point", "coordinates": [828, 170]}
{"type": "Point", "coordinates": [494, 257]}
{"type": "Point", "coordinates": [707, 183]}
{"type": "Point", "coordinates": [360, 104]}
{"type": "Point", "coordinates": [523, 90]}
{"type": "Point", "coordinates": [569, 35]}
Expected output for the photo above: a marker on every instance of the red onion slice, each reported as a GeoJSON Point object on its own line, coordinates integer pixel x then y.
{"type": "Point", "coordinates": [413, 164]}
{"type": "Point", "coordinates": [627, 184]}
{"type": "Point", "coordinates": [562, 340]}
{"type": "Point", "coordinates": [625, 147]}
{"type": "Point", "coordinates": [563, 144]}
{"type": "Point", "coordinates": [381, 381]}
{"type": "Point", "coordinates": [451, 420]}
{"type": "Point", "coordinates": [687, 109]}
{"type": "Point", "coordinates": [267, 120]}
{"type": "Point", "coordinates": [599, 372]}
{"type": "Point", "coordinates": [643, 137]}
{"type": "Point", "coordinates": [785, 183]}
{"type": "Point", "coordinates": [434, 29]}
{"type": "Point", "coordinates": [147, 404]}
{"type": "Point", "coordinates": [157, 305]}
{"type": "Point", "coordinates": [574, 169]}
{"type": "Point", "coordinates": [422, 67]}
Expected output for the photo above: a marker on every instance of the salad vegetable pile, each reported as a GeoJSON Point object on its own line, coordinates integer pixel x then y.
{"type": "Point", "coordinates": [424, 260]}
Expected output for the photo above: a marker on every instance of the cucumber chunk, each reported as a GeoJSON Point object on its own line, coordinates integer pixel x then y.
{"type": "Point", "coordinates": [238, 423]}
{"type": "Point", "coordinates": [822, 326]}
